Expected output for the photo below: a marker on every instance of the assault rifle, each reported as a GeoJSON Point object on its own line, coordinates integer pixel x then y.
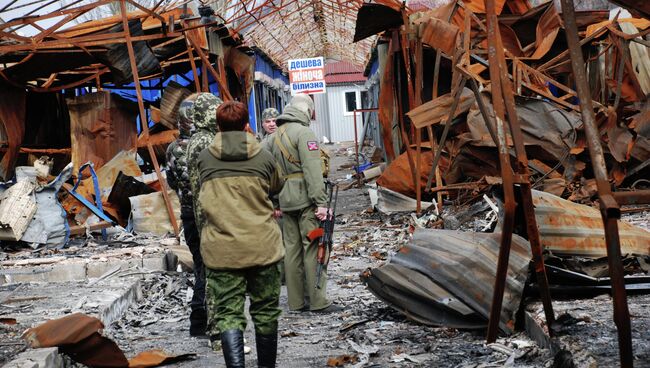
{"type": "Point", "coordinates": [325, 232]}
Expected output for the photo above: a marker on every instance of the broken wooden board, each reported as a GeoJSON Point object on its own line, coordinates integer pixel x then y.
{"type": "Point", "coordinates": [436, 110]}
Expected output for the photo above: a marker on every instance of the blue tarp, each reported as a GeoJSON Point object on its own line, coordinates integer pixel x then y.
{"type": "Point", "coordinates": [374, 67]}
{"type": "Point", "coordinates": [261, 65]}
{"type": "Point", "coordinates": [152, 89]}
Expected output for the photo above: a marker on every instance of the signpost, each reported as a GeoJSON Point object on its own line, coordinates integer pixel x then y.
{"type": "Point", "coordinates": [307, 76]}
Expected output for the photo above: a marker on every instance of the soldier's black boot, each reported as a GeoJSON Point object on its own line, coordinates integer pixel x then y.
{"type": "Point", "coordinates": [232, 344]}
{"type": "Point", "coordinates": [267, 349]}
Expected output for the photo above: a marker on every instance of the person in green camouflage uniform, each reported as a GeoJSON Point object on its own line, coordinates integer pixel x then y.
{"type": "Point", "coordinates": [303, 202]}
{"type": "Point", "coordinates": [205, 121]}
{"type": "Point", "coordinates": [241, 242]}
{"type": "Point", "coordinates": [178, 178]}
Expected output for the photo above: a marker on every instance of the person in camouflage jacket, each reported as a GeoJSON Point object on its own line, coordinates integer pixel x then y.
{"type": "Point", "coordinates": [178, 176]}
{"type": "Point", "coordinates": [269, 116]}
{"type": "Point", "coordinates": [179, 180]}
{"type": "Point", "coordinates": [205, 121]}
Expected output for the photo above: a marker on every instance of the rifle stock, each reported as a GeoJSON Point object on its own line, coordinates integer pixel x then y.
{"type": "Point", "coordinates": [326, 232]}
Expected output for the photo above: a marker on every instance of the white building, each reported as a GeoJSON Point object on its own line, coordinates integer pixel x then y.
{"type": "Point", "coordinates": [334, 109]}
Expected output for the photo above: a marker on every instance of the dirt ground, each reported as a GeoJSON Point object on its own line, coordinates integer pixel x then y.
{"type": "Point", "coordinates": [366, 333]}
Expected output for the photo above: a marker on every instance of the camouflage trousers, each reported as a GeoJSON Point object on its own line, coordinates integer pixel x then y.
{"type": "Point", "coordinates": [226, 295]}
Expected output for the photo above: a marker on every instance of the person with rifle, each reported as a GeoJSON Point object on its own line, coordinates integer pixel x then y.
{"type": "Point", "coordinates": [324, 234]}
{"type": "Point", "coordinates": [303, 202]}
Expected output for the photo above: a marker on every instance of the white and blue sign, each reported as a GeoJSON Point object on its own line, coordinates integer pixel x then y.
{"type": "Point", "coordinates": [307, 76]}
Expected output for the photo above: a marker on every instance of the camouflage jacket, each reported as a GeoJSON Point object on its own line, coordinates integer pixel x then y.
{"type": "Point", "coordinates": [205, 121]}
{"type": "Point", "coordinates": [178, 175]}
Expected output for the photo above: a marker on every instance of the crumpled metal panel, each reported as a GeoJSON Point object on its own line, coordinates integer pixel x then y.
{"type": "Point", "coordinates": [463, 264]}
{"type": "Point", "coordinates": [420, 299]}
{"type": "Point", "coordinates": [543, 125]}
{"type": "Point", "coordinates": [50, 224]}
{"type": "Point", "coordinates": [77, 336]}
{"type": "Point", "coordinates": [439, 34]}
{"type": "Point", "coordinates": [574, 229]}
{"type": "Point", "coordinates": [154, 358]}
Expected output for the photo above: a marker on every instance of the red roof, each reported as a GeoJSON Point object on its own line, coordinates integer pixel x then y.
{"type": "Point", "coordinates": [343, 72]}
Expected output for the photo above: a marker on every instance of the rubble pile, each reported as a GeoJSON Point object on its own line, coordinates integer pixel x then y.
{"type": "Point", "coordinates": [454, 110]}
{"type": "Point", "coordinates": [585, 328]}
{"type": "Point", "coordinates": [76, 156]}
{"type": "Point", "coordinates": [495, 120]}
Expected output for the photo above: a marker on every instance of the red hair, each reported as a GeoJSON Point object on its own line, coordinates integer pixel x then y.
{"type": "Point", "coordinates": [232, 116]}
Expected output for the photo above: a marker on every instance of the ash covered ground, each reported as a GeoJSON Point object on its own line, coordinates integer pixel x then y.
{"type": "Point", "coordinates": [366, 333]}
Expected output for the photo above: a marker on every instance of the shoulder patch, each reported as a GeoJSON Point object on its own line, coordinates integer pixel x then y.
{"type": "Point", "coordinates": [312, 145]}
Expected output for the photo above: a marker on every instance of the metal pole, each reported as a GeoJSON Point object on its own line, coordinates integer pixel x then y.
{"type": "Point", "coordinates": [506, 176]}
{"type": "Point", "coordinates": [356, 149]}
{"type": "Point", "coordinates": [143, 118]}
{"type": "Point", "coordinates": [445, 131]}
{"type": "Point", "coordinates": [609, 208]}
{"type": "Point", "coordinates": [356, 140]}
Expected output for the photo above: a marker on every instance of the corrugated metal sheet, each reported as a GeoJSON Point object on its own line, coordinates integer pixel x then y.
{"type": "Point", "coordinates": [463, 264]}
{"type": "Point", "coordinates": [574, 229]}
{"type": "Point", "coordinates": [343, 72]}
{"type": "Point", "coordinates": [101, 125]}
{"type": "Point", "coordinates": [342, 67]}
{"type": "Point", "coordinates": [341, 126]}
{"type": "Point", "coordinates": [416, 296]}
{"type": "Point", "coordinates": [344, 78]}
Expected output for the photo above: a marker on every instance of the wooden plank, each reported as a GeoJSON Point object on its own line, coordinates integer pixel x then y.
{"type": "Point", "coordinates": [434, 111]}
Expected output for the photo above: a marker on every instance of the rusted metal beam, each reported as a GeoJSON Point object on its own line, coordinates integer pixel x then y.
{"type": "Point", "coordinates": [401, 114]}
{"type": "Point", "coordinates": [221, 84]}
{"type": "Point", "coordinates": [191, 59]}
{"type": "Point", "coordinates": [57, 25]}
{"type": "Point", "coordinates": [458, 92]}
{"type": "Point", "coordinates": [419, 71]}
{"type": "Point", "coordinates": [144, 120]}
{"type": "Point", "coordinates": [504, 107]}
{"type": "Point", "coordinates": [633, 197]}
{"type": "Point", "coordinates": [86, 41]}
{"type": "Point", "coordinates": [14, 36]}
{"type": "Point", "coordinates": [552, 63]}
{"type": "Point", "coordinates": [54, 14]}
{"type": "Point", "coordinates": [152, 13]}
{"type": "Point", "coordinates": [609, 208]}
{"type": "Point", "coordinates": [71, 4]}
{"type": "Point", "coordinates": [81, 229]}
{"type": "Point", "coordinates": [55, 88]}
